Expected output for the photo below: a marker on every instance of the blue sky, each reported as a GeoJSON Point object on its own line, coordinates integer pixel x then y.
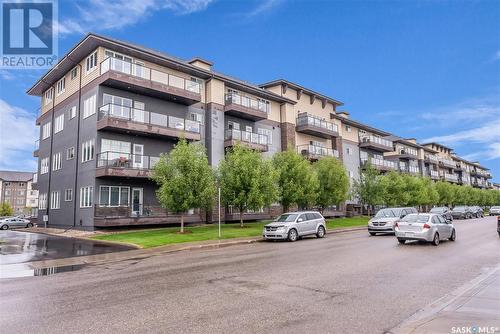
{"type": "Point", "coordinates": [423, 69]}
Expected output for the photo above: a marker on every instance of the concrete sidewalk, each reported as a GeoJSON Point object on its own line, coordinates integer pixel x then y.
{"type": "Point", "coordinates": [473, 308]}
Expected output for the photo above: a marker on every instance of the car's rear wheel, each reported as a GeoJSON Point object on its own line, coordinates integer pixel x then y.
{"type": "Point", "coordinates": [321, 232]}
{"type": "Point", "coordinates": [401, 241]}
{"type": "Point", "coordinates": [453, 235]}
{"type": "Point", "coordinates": [372, 233]}
{"type": "Point", "coordinates": [292, 235]}
{"type": "Point", "coordinates": [435, 240]}
{"type": "Point", "coordinates": [29, 225]}
{"type": "Point", "coordinates": [5, 227]}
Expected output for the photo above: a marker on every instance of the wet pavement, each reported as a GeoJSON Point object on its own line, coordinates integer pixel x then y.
{"type": "Point", "coordinates": [17, 249]}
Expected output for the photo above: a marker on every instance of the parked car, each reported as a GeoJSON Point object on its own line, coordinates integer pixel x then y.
{"type": "Point", "coordinates": [461, 212]}
{"type": "Point", "coordinates": [384, 220]}
{"type": "Point", "coordinates": [428, 227]}
{"type": "Point", "coordinates": [294, 225]}
{"type": "Point", "coordinates": [443, 211]}
{"type": "Point", "coordinates": [495, 211]}
{"type": "Point", "coordinates": [8, 222]}
{"type": "Point", "coordinates": [477, 211]}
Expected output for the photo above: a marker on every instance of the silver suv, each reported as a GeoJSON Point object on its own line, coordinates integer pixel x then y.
{"type": "Point", "coordinates": [385, 219]}
{"type": "Point", "coordinates": [292, 225]}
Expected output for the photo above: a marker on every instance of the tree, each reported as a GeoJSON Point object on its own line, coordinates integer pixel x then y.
{"type": "Point", "coordinates": [394, 189]}
{"type": "Point", "coordinates": [333, 182]}
{"type": "Point", "coordinates": [368, 189]}
{"type": "Point", "coordinates": [6, 209]}
{"type": "Point", "coordinates": [297, 181]}
{"type": "Point", "coordinates": [185, 179]}
{"type": "Point", "coordinates": [445, 192]}
{"type": "Point", "coordinates": [247, 180]}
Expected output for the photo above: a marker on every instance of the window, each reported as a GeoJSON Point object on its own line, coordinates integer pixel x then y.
{"type": "Point", "coordinates": [20, 201]}
{"type": "Point", "coordinates": [20, 192]}
{"type": "Point", "coordinates": [196, 117]}
{"type": "Point", "coordinates": [70, 153]}
{"type": "Point", "coordinates": [68, 195]}
{"type": "Point", "coordinates": [268, 133]}
{"type": "Point", "coordinates": [72, 112]}
{"type": "Point", "coordinates": [74, 73]}
{"type": "Point", "coordinates": [88, 150]}
{"type": "Point", "coordinates": [46, 130]}
{"type": "Point", "coordinates": [91, 62]}
{"type": "Point", "coordinates": [61, 86]}
{"type": "Point", "coordinates": [114, 196]}
{"type": "Point", "coordinates": [42, 201]}
{"type": "Point", "coordinates": [21, 184]}
{"type": "Point", "coordinates": [55, 200]}
{"type": "Point", "coordinates": [86, 196]}
{"type": "Point", "coordinates": [59, 123]}
{"type": "Point", "coordinates": [116, 146]}
{"type": "Point", "coordinates": [7, 183]}
{"type": "Point", "coordinates": [89, 106]}
{"type": "Point", "coordinates": [348, 151]}
{"type": "Point", "coordinates": [57, 161]}
{"type": "Point", "coordinates": [7, 192]}
{"type": "Point", "coordinates": [348, 128]}
{"type": "Point", "coordinates": [49, 95]}
{"type": "Point", "coordinates": [44, 166]}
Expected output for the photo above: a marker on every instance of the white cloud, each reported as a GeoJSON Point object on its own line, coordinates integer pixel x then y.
{"type": "Point", "coordinates": [487, 133]}
{"type": "Point", "coordinates": [96, 15]}
{"type": "Point", "coordinates": [17, 138]}
{"type": "Point", "coordinates": [264, 6]}
{"type": "Point", "coordinates": [6, 75]}
{"type": "Point", "coordinates": [497, 55]}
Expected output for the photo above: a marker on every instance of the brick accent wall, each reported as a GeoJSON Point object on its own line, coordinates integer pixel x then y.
{"type": "Point", "coordinates": [287, 136]}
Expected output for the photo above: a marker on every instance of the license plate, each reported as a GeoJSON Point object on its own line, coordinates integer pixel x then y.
{"type": "Point", "coordinates": [409, 234]}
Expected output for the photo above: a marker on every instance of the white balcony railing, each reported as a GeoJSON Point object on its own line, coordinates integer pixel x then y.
{"type": "Point", "coordinates": [307, 119]}
{"type": "Point", "coordinates": [317, 151]}
{"type": "Point", "coordinates": [245, 136]}
{"type": "Point", "coordinates": [380, 163]}
{"type": "Point", "coordinates": [248, 102]}
{"type": "Point", "coordinates": [376, 140]}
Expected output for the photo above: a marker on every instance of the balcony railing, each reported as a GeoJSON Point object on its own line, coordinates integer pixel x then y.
{"type": "Point", "coordinates": [432, 158]}
{"type": "Point", "coordinates": [247, 102]}
{"type": "Point", "coordinates": [245, 136]}
{"type": "Point", "coordinates": [35, 178]}
{"type": "Point", "coordinates": [125, 160]}
{"type": "Point", "coordinates": [449, 177]}
{"type": "Point", "coordinates": [414, 169]}
{"type": "Point", "coordinates": [307, 119]}
{"type": "Point", "coordinates": [37, 144]}
{"type": "Point", "coordinates": [314, 150]}
{"type": "Point", "coordinates": [387, 164]}
{"type": "Point", "coordinates": [148, 117]}
{"type": "Point", "coordinates": [376, 140]}
{"type": "Point", "coordinates": [434, 174]}
{"type": "Point", "coordinates": [143, 72]}
{"type": "Point", "coordinates": [448, 163]}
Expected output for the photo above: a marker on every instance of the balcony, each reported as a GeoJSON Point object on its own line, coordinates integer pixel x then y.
{"type": "Point", "coordinates": [315, 126]}
{"type": "Point", "coordinates": [117, 164]}
{"type": "Point", "coordinates": [254, 141]}
{"type": "Point", "coordinates": [447, 163]}
{"type": "Point", "coordinates": [449, 177]}
{"type": "Point", "coordinates": [415, 170]}
{"type": "Point", "coordinates": [37, 148]}
{"type": "Point", "coordinates": [376, 143]}
{"type": "Point", "coordinates": [314, 152]}
{"type": "Point", "coordinates": [432, 159]}
{"type": "Point", "coordinates": [405, 153]}
{"type": "Point", "coordinates": [35, 178]}
{"type": "Point", "coordinates": [246, 108]}
{"type": "Point", "coordinates": [380, 164]}
{"type": "Point", "coordinates": [125, 75]}
{"type": "Point", "coordinates": [434, 174]}
{"type": "Point", "coordinates": [130, 120]}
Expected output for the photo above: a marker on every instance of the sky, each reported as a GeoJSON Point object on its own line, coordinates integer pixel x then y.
{"type": "Point", "coordinates": [423, 69]}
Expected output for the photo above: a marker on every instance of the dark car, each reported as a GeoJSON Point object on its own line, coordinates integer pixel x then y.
{"type": "Point", "coordinates": [443, 211]}
{"type": "Point", "coordinates": [477, 211]}
{"type": "Point", "coordinates": [461, 212]}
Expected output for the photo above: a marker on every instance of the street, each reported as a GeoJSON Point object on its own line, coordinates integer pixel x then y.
{"type": "Point", "coordinates": [345, 283]}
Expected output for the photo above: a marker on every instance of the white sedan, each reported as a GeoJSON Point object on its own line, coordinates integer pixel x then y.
{"type": "Point", "coordinates": [9, 222]}
{"type": "Point", "coordinates": [424, 227]}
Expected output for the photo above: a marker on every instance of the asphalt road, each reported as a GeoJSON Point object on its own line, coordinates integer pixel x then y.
{"type": "Point", "coordinates": [344, 283]}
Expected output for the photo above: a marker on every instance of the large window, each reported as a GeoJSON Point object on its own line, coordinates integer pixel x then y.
{"type": "Point", "coordinates": [89, 107]}
{"type": "Point", "coordinates": [91, 62]}
{"type": "Point", "coordinates": [42, 201]}
{"type": "Point", "coordinates": [88, 150]}
{"type": "Point", "coordinates": [57, 161]}
{"type": "Point", "coordinates": [46, 130]}
{"type": "Point", "coordinates": [61, 86]}
{"type": "Point", "coordinates": [268, 133]}
{"type": "Point", "coordinates": [59, 123]}
{"type": "Point", "coordinates": [108, 145]}
{"type": "Point", "coordinates": [72, 112]}
{"type": "Point", "coordinates": [74, 73]}
{"type": "Point", "coordinates": [119, 106]}
{"type": "Point", "coordinates": [70, 153]}
{"type": "Point", "coordinates": [55, 200]}
{"type": "Point", "coordinates": [68, 195]}
{"type": "Point", "coordinates": [86, 194]}
{"type": "Point", "coordinates": [114, 196]}
{"type": "Point", "coordinates": [44, 166]}
{"type": "Point", "coordinates": [49, 95]}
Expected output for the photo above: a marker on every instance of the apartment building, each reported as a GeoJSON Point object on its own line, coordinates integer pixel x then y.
{"type": "Point", "coordinates": [109, 109]}
{"type": "Point", "coordinates": [16, 188]}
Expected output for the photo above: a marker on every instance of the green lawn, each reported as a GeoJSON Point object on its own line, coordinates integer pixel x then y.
{"type": "Point", "coordinates": [164, 236]}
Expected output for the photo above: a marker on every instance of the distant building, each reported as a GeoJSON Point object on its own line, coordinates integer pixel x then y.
{"type": "Point", "coordinates": [16, 189]}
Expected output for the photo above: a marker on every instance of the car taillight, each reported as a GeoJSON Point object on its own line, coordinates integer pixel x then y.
{"type": "Point", "coordinates": [427, 226]}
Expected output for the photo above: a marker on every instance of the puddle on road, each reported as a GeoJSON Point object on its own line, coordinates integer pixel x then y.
{"type": "Point", "coordinates": [25, 270]}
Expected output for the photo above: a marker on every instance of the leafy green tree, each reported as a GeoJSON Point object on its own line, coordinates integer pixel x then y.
{"type": "Point", "coordinates": [185, 179]}
{"type": "Point", "coordinates": [247, 180]}
{"type": "Point", "coordinates": [445, 192]}
{"type": "Point", "coordinates": [432, 196]}
{"type": "Point", "coordinates": [333, 182]}
{"type": "Point", "coordinates": [394, 186]}
{"type": "Point", "coordinates": [297, 181]}
{"type": "Point", "coordinates": [368, 189]}
{"type": "Point", "coordinates": [415, 191]}
{"type": "Point", "coordinates": [6, 209]}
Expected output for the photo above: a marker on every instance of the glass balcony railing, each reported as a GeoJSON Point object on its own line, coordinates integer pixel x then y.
{"type": "Point", "coordinates": [245, 101]}
{"type": "Point", "coordinates": [432, 158]}
{"type": "Point", "coordinates": [414, 169]}
{"type": "Point", "coordinates": [447, 162]}
{"type": "Point", "coordinates": [126, 160]}
{"type": "Point", "coordinates": [317, 151]}
{"type": "Point", "coordinates": [143, 72]}
{"type": "Point", "coordinates": [434, 173]}
{"type": "Point", "coordinates": [37, 144]}
{"type": "Point", "coordinates": [376, 140]}
{"type": "Point", "coordinates": [307, 119]}
{"type": "Point", "coordinates": [449, 177]}
{"type": "Point", "coordinates": [380, 163]}
{"type": "Point", "coordinates": [35, 178]}
{"type": "Point", "coordinates": [148, 117]}
{"type": "Point", "coordinates": [245, 136]}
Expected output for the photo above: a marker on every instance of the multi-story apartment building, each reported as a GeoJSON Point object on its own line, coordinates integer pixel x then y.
{"type": "Point", "coordinates": [16, 188]}
{"type": "Point", "coordinates": [110, 108]}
